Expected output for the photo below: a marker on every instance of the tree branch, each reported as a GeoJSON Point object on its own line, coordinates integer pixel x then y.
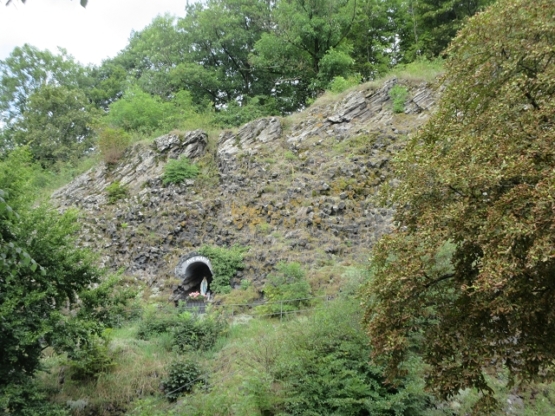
{"type": "Point", "coordinates": [439, 279]}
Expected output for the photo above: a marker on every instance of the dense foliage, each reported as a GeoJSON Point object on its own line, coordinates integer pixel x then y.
{"type": "Point", "coordinates": [286, 290]}
{"type": "Point", "coordinates": [226, 262]}
{"type": "Point", "coordinates": [324, 369]}
{"type": "Point", "coordinates": [228, 61]}
{"type": "Point", "coordinates": [480, 179]}
{"type": "Point", "coordinates": [317, 365]}
{"type": "Point", "coordinates": [188, 332]}
{"type": "Point", "coordinates": [42, 274]}
{"type": "Point", "coordinates": [183, 375]}
{"type": "Point", "coordinates": [464, 280]}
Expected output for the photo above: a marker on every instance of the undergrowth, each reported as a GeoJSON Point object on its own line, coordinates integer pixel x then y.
{"type": "Point", "coordinates": [178, 170]}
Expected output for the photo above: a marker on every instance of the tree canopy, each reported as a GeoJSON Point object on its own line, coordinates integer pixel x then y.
{"type": "Point", "coordinates": [468, 273]}
{"type": "Point", "coordinates": [235, 59]}
{"type": "Point", "coordinates": [47, 298]}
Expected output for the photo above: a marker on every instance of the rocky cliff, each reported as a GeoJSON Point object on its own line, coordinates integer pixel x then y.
{"type": "Point", "coordinates": [299, 188]}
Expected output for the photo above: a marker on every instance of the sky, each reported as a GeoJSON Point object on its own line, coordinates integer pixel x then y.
{"type": "Point", "coordinates": [90, 34]}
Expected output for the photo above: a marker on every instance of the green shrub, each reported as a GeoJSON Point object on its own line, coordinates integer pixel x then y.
{"type": "Point", "coordinates": [286, 291]}
{"type": "Point", "coordinates": [264, 228]}
{"type": "Point", "coordinates": [112, 143]}
{"type": "Point", "coordinates": [194, 333]}
{"type": "Point", "coordinates": [225, 264]}
{"type": "Point", "coordinates": [108, 302]}
{"type": "Point", "coordinates": [245, 284]}
{"type": "Point", "coordinates": [157, 322]}
{"type": "Point", "coordinates": [317, 365]}
{"type": "Point", "coordinates": [234, 115]}
{"type": "Point", "coordinates": [398, 95]}
{"type": "Point", "coordinates": [340, 84]}
{"type": "Point", "coordinates": [25, 398]}
{"type": "Point", "coordinates": [289, 155]}
{"type": "Point", "coordinates": [91, 359]}
{"type": "Point", "coordinates": [183, 375]}
{"type": "Point", "coordinates": [177, 170]}
{"type": "Point", "coordinates": [116, 191]}
{"type": "Point", "coordinates": [139, 111]}
{"type": "Point", "coordinates": [324, 368]}
{"type": "Point", "coordinates": [188, 332]}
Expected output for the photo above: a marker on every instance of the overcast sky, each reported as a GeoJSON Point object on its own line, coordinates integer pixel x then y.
{"type": "Point", "coordinates": [90, 35]}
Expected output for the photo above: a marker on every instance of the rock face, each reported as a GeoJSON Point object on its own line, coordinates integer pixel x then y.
{"type": "Point", "coordinates": [296, 189]}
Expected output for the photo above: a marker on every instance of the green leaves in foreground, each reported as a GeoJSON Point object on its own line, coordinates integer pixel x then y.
{"type": "Point", "coordinates": [316, 365]}
{"type": "Point", "coordinates": [480, 177]}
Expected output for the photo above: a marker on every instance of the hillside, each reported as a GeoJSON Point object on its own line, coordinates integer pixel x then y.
{"type": "Point", "coordinates": [303, 186]}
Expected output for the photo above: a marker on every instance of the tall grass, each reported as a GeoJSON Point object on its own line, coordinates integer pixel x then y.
{"type": "Point", "coordinates": [138, 371]}
{"type": "Point", "coordinates": [420, 70]}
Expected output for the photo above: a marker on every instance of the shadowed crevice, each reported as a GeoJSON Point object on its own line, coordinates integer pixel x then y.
{"type": "Point", "coordinates": [191, 269]}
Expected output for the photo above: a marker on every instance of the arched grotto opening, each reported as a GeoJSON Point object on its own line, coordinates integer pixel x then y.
{"type": "Point", "coordinates": [192, 269]}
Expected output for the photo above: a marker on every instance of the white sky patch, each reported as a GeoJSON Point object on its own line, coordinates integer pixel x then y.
{"type": "Point", "coordinates": [90, 34]}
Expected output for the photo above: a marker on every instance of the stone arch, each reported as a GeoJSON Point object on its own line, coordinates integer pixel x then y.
{"type": "Point", "coordinates": [191, 269]}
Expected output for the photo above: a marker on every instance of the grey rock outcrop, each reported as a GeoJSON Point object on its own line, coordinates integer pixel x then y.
{"type": "Point", "coordinates": [300, 189]}
{"type": "Point", "coordinates": [142, 165]}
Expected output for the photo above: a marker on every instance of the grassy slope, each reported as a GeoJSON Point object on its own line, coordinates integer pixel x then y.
{"type": "Point", "coordinates": [241, 367]}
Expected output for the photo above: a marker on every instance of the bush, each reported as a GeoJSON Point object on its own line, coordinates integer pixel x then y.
{"type": "Point", "coordinates": [112, 143]}
{"type": "Point", "coordinates": [177, 170]}
{"type": "Point", "coordinates": [324, 369]}
{"type": "Point", "coordinates": [317, 365]}
{"type": "Point", "coordinates": [27, 399]}
{"type": "Point", "coordinates": [188, 332]}
{"type": "Point", "coordinates": [157, 322]}
{"type": "Point", "coordinates": [340, 84]}
{"type": "Point", "coordinates": [194, 333]}
{"type": "Point", "coordinates": [91, 360]}
{"type": "Point", "coordinates": [398, 95]}
{"type": "Point", "coordinates": [286, 291]}
{"type": "Point", "coordinates": [183, 375]}
{"type": "Point", "coordinates": [108, 302]}
{"type": "Point", "coordinates": [115, 192]}
{"type": "Point", "coordinates": [225, 264]}
{"type": "Point", "coordinates": [234, 115]}
{"type": "Point", "coordinates": [139, 111]}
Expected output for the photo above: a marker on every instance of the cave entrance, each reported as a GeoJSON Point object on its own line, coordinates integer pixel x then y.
{"type": "Point", "coordinates": [191, 269]}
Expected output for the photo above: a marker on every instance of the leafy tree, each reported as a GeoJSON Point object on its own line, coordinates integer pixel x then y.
{"type": "Point", "coordinates": [305, 34]}
{"type": "Point", "coordinates": [374, 34]}
{"type": "Point", "coordinates": [107, 83]}
{"type": "Point", "coordinates": [479, 177]}
{"type": "Point", "coordinates": [221, 35]}
{"type": "Point", "coordinates": [44, 104]}
{"type": "Point", "coordinates": [55, 125]}
{"type": "Point", "coordinates": [151, 55]}
{"type": "Point", "coordinates": [26, 70]}
{"type": "Point", "coordinates": [440, 20]}
{"type": "Point", "coordinates": [42, 272]}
